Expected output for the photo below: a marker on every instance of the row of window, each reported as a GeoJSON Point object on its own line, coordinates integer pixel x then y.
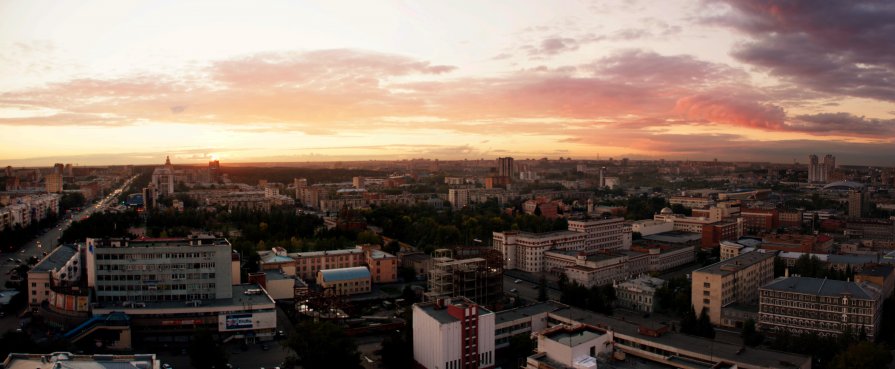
{"type": "Point", "coordinates": [153, 256]}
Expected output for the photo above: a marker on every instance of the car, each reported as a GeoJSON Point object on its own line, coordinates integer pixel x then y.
{"type": "Point", "coordinates": [167, 366]}
{"type": "Point", "coordinates": [517, 281]}
{"type": "Point", "coordinates": [265, 347]}
{"type": "Point", "coordinates": [11, 260]}
{"type": "Point", "coordinates": [514, 290]}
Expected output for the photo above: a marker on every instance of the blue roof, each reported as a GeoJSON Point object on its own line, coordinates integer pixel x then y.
{"type": "Point", "coordinates": [345, 274]}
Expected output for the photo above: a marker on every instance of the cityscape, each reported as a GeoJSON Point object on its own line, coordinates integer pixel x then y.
{"type": "Point", "coordinates": [705, 184]}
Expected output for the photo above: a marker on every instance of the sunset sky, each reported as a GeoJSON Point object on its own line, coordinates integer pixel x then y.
{"type": "Point", "coordinates": [115, 82]}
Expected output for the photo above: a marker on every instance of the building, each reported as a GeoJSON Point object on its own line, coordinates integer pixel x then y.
{"type": "Point", "coordinates": [871, 229]}
{"type": "Point", "coordinates": [383, 266]}
{"type": "Point", "coordinates": [827, 307]}
{"type": "Point", "coordinates": [638, 294]}
{"type": "Point", "coordinates": [757, 221]}
{"type": "Point", "coordinates": [60, 267]}
{"type": "Point", "coordinates": [647, 227]}
{"type": "Point", "coordinates": [724, 230]}
{"type": "Point", "coordinates": [821, 172]}
{"type": "Point", "coordinates": [159, 269]}
{"type": "Point", "coordinates": [479, 279]}
{"type": "Point", "coordinates": [453, 334]}
{"type": "Point", "coordinates": [858, 203]}
{"type": "Point", "coordinates": [163, 178]}
{"type": "Point", "coordinates": [24, 210]}
{"type": "Point", "coordinates": [66, 360]}
{"type": "Point", "coordinates": [505, 168]}
{"type": "Point", "coordinates": [54, 182]}
{"type": "Point", "coordinates": [610, 267]}
{"type": "Point", "coordinates": [458, 197]}
{"type": "Point", "coordinates": [732, 281]}
{"type": "Point", "coordinates": [522, 320]}
{"type": "Point", "coordinates": [789, 218]}
{"type": "Point", "coordinates": [570, 347]}
{"type": "Point", "coordinates": [880, 275]}
{"type": "Point", "coordinates": [345, 281]}
{"type": "Point", "coordinates": [525, 250]}
{"type": "Point", "coordinates": [691, 202]}
{"type": "Point", "coordinates": [789, 242]}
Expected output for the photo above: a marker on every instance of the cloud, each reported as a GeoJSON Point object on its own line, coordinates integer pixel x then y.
{"type": "Point", "coordinates": [844, 123]}
{"type": "Point", "coordinates": [553, 46]}
{"type": "Point", "coordinates": [837, 47]}
{"type": "Point", "coordinates": [732, 111]}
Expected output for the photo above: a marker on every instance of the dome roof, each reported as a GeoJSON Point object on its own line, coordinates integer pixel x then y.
{"type": "Point", "coordinates": [666, 211]}
{"type": "Point", "coordinates": [844, 185]}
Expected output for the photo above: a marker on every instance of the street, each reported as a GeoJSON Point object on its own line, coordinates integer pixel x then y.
{"type": "Point", "coordinates": [46, 242]}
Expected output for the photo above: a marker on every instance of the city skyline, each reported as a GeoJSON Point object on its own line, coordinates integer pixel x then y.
{"type": "Point", "coordinates": [100, 83]}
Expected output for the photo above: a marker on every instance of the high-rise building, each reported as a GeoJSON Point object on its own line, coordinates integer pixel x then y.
{"type": "Point", "coordinates": [505, 167]}
{"type": "Point", "coordinates": [69, 171]}
{"type": "Point", "coordinates": [58, 168]}
{"type": "Point", "coordinates": [163, 178]}
{"type": "Point", "coordinates": [54, 182]}
{"type": "Point", "coordinates": [821, 172]}
{"type": "Point", "coordinates": [214, 170]}
{"type": "Point", "coordinates": [857, 203]}
{"type": "Point", "coordinates": [458, 197]}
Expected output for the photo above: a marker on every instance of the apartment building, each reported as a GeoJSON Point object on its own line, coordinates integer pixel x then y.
{"type": "Point", "coordinates": [691, 202]}
{"type": "Point", "coordinates": [453, 334]}
{"type": "Point", "coordinates": [827, 307]}
{"type": "Point", "coordinates": [756, 221]}
{"type": "Point", "coordinates": [732, 281]}
{"type": "Point", "coordinates": [24, 210]}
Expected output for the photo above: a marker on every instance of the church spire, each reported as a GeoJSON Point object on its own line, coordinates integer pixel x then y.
{"type": "Point", "coordinates": [167, 161]}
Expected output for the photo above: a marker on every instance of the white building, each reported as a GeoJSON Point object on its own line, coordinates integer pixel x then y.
{"type": "Point", "coordinates": [453, 334]}
{"type": "Point", "coordinates": [639, 293]}
{"type": "Point", "coordinates": [458, 197]}
{"type": "Point", "coordinates": [571, 347]}
{"type": "Point", "coordinates": [647, 227]}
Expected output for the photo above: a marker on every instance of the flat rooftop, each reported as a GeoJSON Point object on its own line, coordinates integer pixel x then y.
{"type": "Point", "coordinates": [56, 259]}
{"type": "Point", "coordinates": [721, 350]}
{"type": "Point", "coordinates": [512, 315]}
{"type": "Point", "coordinates": [674, 237]}
{"type": "Point", "coordinates": [442, 316]}
{"type": "Point", "coordinates": [574, 337]}
{"type": "Point", "coordinates": [736, 263]}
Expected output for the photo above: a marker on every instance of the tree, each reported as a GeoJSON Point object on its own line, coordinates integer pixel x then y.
{"type": "Point", "coordinates": [205, 352]}
{"type": "Point", "coordinates": [704, 325]}
{"type": "Point", "coordinates": [862, 355]}
{"type": "Point", "coordinates": [397, 348]}
{"type": "Point", "coordinates": [750, 336]}
{"type": "Point", "coordinates": [542, 288]}
{"type": "Point", "coordinates": [323, 345]}
{"type": "Point", "coordinates": [521, 346]}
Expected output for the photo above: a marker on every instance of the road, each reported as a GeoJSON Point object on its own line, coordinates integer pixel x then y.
{"type": "Point", "coordinates": [46, 242]}
{"type": "Point", "coordinates": [525, 289]}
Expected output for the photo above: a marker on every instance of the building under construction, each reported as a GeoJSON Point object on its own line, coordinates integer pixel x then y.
{"type": "Point", "coordinates": [477, 276]}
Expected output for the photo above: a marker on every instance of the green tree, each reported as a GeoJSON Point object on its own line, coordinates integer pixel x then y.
{"type": "Point", "coordinates": [750, 336]}
{"type": "Point", "coordinates": [205, 352]}
{"type": "Point", "coordinates": [542, 288]}
{"type": "Point", "coordinates": [862, 355]}
{"type": "Point", "coordinates": [704, 325]}
{"type": "Point", "coordinates": [323, 345]}
{"type": "Point", "coordinates": [521, 346]}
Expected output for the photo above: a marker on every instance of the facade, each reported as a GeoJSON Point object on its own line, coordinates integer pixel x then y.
{"type": "Point", "coordinates": [638, 294]}
{"type": "Point", "coordinates": [60, 267]}
{"type": "Point", "coordinates": [525, 250]}
{"type": "Point", "coordinates": [790, 218]}
{"type": "Point", "coordinates": [54, 182]}
{"type": "Point", "coordinates": [880, 275]}
{"type": "Point", "coordinates": [789, 243]}
{"type": "Point", "coordinates": [458, 197]}
{"type": "Point", "coordinates": [756, 221]}
{"type": "Point", "coordinates": [453, 334]}
{"type": "Point", "coordinates": [383, 266]}
{"type": "Point", "coordinates": [858, 203]}
{"type": "Point", "coordinates": [601, 268]}
{"type": "Point", "coordinates": [505, 167]}
{"type": "Point", "coordinates": [691, 202]}
{"type": "Point", "coordinates": [345, 281]}
{"type": "Point", "coordinates": [732, 281]}
{"type": "Point", "coordinates": [871, 229]}
{"type": "Point", "coordinates": [724, 230]}
{"type": "Point", "coordinates": [163, 178]}
{"type": "Point", "coordinates": [24, 210]}
{"type": "Point", "coordinates": [570, 347]}
{"type": "Point", "coordinates": [162, 269]}
{"type": "Point", "coordinates": [823, 306]}
{"type": "Point", "coordinates": [821, 172]}
{"type": "Point", "coordinates": [647, 227]}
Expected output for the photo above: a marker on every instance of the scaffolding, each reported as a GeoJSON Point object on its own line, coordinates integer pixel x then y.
{"type": "Point", "coordinates": [478, 276]}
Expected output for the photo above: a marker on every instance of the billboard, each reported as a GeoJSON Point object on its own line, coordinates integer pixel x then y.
{"type": "Point", "coordinates": [238, 321]}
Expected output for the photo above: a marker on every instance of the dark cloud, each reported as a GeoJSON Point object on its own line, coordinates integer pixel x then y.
{"type": "Point", "coordinates": [843, 123]}
{"type": "Point", "coordinates": [838, 47]}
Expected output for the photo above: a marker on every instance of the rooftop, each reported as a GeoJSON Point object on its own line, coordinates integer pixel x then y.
{"type": "Point", "coordinates": [824, 287]}
{"type": "Point", "coordinates": [511, 315]}
{"type": "Point", "coordinates": [345, 274]}
{"type": "Point", "coordinates": [674, 237]}
{"type": "Point", "coordinates": [65, 360]}
{"type": "Point", "coordinates": [573, 337]}
{"type": "Point", "coordinates": [442, 315]}
{"type": "Point", "coordinates": [311, 254]}
{"type": "Point", "coordinates": [736, 263]}
{"type": "Point", "coordinates": [877, 270]}
{"type": "Point", "coordinates": [56, 259]}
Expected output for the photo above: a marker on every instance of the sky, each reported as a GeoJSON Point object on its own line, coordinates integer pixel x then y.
{"type": "Point", "coordinates": [130, 82]}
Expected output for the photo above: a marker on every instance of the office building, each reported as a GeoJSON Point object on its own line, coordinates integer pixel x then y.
{"type": "Point", "coordinates": [732, 281]}
{"type": "Point", "coordinates": [821, 172]}
{"type": "Point", "coordinates": [345, 281]}
{"type": "Point", "coordinates": [383, 266]}
{"type": "Point", "coordinates": [802, 305]}
{"type": "Point", "coordinates": [453, 333]}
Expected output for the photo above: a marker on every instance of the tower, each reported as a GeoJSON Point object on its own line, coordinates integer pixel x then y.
{"type": "Point", "coordinates": [505, 167]}
{"type": "Point", "coordinates": [812, 168]}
